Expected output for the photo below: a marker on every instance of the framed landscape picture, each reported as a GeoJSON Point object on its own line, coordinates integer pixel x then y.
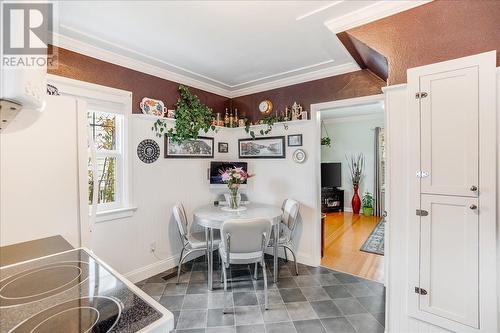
{"type": "Point", "coordinates": [203, 147]}
{"type": "Point", "coordinates": [267, 147]}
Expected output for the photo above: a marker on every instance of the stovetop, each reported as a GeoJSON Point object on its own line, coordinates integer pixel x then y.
{"type": "Point", "coordinates": [70, 292]}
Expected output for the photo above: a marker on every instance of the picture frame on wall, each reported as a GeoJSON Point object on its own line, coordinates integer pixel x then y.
{"type": "Point", "coordinates": [223, 147]}
{"type": "Point", "coordinates": [295, 140]}
{"type": "Point", "coordinates": [203, 147]}
{"type": "Point", "coordinates": [265, 147]}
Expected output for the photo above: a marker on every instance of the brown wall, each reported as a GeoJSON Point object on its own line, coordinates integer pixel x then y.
{"type": "Point", "coordinates": [80, 67]}
{"type": "Point", "coordinates": [437, 31]}
{"type": "Point", "coordinates": [354, 84]}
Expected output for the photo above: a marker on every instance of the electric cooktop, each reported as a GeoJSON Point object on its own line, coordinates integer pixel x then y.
{"type": "Point", "coordinates": [74, 292]}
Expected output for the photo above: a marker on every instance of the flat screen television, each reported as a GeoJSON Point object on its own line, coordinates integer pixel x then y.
{"type": "Point", "coordinates": [331, 174]}
{"type": "Point", "coordinates": [216, 167]}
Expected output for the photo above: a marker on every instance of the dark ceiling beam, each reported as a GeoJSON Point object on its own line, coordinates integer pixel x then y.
{"type": "Point", "coordinates": [365, 56]}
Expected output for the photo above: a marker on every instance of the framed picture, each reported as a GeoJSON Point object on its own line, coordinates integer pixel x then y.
{"type": "Point", "coordinates": [223, 147]}
{"type": "Point", "coordinates": [267, 147]}
{"type": "Point", "coordinates": [203, 147]}
{"type": "Point", "coordinates": [295, 140]}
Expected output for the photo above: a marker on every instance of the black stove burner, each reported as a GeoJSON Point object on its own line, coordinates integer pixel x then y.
{"type": "Point", "coordinates": [41, 282]}
{"type": "Point", "coordinates": [97, 314]}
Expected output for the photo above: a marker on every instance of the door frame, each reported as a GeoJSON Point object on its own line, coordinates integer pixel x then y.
{"type": "Point", "coordinates": [316, 111]}
{"type": "Point", "coordinates": [486, 63]}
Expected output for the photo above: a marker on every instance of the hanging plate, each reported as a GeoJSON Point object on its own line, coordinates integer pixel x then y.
{"type": "Point", "coordinates": [299, 156]}
{"type": "Point", "coordinates": [148, 151]}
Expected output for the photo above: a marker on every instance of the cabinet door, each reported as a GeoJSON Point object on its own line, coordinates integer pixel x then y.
{"type": "Point", "coordinates": [449, 132]}
{"type": "Point", "coordinates": [449, 258]}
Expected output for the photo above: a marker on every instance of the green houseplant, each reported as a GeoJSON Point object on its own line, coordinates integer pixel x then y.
{"type": "Point", "coordinates": [269, 121]}
{"type": "Point", "coordinates": [368, 204]}
{"type": "Point", "coordinates": [191, 116]}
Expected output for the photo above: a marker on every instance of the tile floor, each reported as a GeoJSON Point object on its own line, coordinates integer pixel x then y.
{"type": "Point", "coordinates": [317, 300]}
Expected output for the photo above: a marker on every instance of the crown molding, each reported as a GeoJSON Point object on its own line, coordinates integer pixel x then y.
{"type": "Point", "coordinates": [296, 79]}
{"type": "Point", "coordinates": [93, 51]}
{"type": "Point", "coordinates": [141, 66]}
{"type": "Point", "coordinates": [373, 12]}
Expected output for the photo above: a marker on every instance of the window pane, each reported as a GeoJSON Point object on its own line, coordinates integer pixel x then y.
{"type": "Point", "coordinates": [106, 180]}
{"type": "Point", "coordinates": [103, 127]}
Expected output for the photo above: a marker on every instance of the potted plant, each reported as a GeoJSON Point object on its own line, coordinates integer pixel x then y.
{"type": "Point", "coordinates": [191, 117]}
{"type": "Point", "coordinates": [367, 204]}
{"type": "Point", "coordinates": [356, 164]}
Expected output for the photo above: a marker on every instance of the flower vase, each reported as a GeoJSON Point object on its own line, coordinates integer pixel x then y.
{"type": "Point", "coordinates": [356, 201]}
{"type": "Point", "coordinates": [233, 198]}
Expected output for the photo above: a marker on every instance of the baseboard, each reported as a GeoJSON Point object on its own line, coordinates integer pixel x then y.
{"type": "Point", "coordinates": [157, 267]}
{"type": "Point", "coordinates": [348, 209]}
{"type": "Point", "coordinates": [148, 271]}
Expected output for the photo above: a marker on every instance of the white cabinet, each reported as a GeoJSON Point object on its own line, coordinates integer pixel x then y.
{"type": "Point", "coordinates": [452, 194]}
{"type": "Point", "coordinates": [449, 132]}
{"type": "Point", "coordinates": [449, 258]}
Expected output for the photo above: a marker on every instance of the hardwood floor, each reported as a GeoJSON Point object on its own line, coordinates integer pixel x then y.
{"type": "Point", "coordinates": [345, 233]}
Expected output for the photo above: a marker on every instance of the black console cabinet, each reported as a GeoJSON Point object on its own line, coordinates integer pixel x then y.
{"type": "Point", "coordinates": [332, 200]}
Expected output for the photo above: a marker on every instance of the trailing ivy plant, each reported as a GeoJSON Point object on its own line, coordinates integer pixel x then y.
{"type": "Point", "coordinates": [269, 121]}
{"type": "Point", "coordinates": [191, 116]}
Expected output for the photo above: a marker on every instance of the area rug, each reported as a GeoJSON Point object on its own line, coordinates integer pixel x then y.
{"type": "Point", "coordinates": [375, 242]}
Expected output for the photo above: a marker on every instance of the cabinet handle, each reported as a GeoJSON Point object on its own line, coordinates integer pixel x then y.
{"type": "Point", "coordinates": [473, 206]}
{"type": "Point", "coordinates": [473, 188]}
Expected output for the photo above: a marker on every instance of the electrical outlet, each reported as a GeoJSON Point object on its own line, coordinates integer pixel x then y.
{"type": "Point", "coordinates": [152, 247]}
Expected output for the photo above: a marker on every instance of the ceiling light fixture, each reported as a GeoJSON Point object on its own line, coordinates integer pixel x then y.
{"type": "Point", "coordinates": [317, 10]}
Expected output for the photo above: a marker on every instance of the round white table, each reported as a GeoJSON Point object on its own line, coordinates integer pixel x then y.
{"type": "Point", "coordinates": [211, 217]}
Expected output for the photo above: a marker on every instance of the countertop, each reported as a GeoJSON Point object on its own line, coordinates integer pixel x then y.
{"type": "Point", "coordinates": [42, 247]}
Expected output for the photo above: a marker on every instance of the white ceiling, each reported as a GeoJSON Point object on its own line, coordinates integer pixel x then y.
{"type": "Point", "coordinates": [229, 46]}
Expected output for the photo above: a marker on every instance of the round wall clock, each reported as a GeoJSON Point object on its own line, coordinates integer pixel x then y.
{"type": "Point", "coordinates": [148, 151]}
{"type": "Point", "coordinates": [266, 107]}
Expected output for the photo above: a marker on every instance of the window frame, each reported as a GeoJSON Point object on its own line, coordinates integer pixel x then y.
{"type": "Point", "coordinates": [109, 100]}
{"type": "Point", "coordinates": [119, 154]}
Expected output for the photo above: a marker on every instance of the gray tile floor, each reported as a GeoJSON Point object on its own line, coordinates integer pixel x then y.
{"type": "Point", "coordinates": [317, 300]}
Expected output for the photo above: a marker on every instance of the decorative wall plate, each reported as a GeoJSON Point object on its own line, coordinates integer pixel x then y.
{"type": "Point", "coordinates": [148, 151]}
{"type": "Point", "coordinates": [153, 107]}
{"type": "Point", "coordinates": [299, 156]}
{"type": "Point", "coordinates": [266, 107]}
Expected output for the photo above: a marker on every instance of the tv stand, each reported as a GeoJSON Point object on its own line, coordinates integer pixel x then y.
{"type": "Point", "coordinates": [332, 200]}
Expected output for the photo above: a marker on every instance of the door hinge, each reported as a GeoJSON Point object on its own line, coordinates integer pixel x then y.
{"type": "Point", "coordinates": [421, 94]}
{"type": "Point", "coordinates": [421, 212]}
{"type": "Point", "coordinates": [420, 291]}
{"type": "Point", "coordinates": [422, 174]}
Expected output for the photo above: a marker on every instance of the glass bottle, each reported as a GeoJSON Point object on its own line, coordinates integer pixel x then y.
{"type": "Point", "coordinates": [226, 118]}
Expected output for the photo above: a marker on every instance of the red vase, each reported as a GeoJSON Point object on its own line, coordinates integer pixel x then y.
{"type": "Point", "coordinates": [356, 201]}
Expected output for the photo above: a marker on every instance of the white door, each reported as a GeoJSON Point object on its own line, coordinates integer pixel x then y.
{"type": "Point", "coordinates": [449, 132]}
{"type": "Point", "coordinates": [449, 258]}
{"type": "Point", "coordinates": [41, 176]}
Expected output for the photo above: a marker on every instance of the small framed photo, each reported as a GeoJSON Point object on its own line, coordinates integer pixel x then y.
{"type": "Point", "coordinates": [295, 140]}
{"type": "Point", "coordinates": [223, 147]}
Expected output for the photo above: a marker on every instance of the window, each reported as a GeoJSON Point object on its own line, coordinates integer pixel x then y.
{"type": "Point", "coordinates": [106, 130]}
{"type": "Point", "coordinates": [104, 119]}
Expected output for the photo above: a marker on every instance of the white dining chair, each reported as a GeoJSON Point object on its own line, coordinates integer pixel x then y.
{"type": "Point", "coordinates": [288, 224]}
{"type": "Point", "coordinates": [243, 241]}
{"type": "Point", "coordinates": [191, 242]}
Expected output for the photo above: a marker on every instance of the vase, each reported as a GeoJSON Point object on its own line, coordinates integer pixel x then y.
{"type": "Point", "coordinates": [233, 198]}
{"type": "Point", "coordinates": [356, 201]}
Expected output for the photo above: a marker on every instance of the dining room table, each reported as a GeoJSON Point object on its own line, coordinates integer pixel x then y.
{"type": "Point", "coordinates": [211, 217]}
